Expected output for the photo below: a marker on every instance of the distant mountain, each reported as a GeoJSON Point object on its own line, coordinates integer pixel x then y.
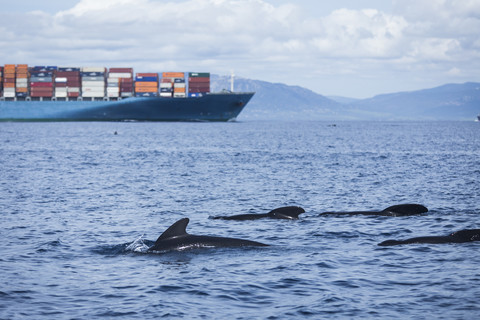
{"type": "Point", "coordinates": [343, 100]}
{"type": "Point", "coordinates": [447, 102]}
{"type": "Point", "coordinates": [281, 102]}
{"type": "Point", "coordinates": [278, 101]}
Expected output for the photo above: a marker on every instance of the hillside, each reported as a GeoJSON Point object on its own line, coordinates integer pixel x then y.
{"type": "Point", "coordinates": [276, 101]}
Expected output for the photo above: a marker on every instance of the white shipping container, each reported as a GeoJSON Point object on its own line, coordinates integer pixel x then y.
{"type": "Point", "coordinates": [113, 80]}
{"type": "Point", "coordinates": [113, 89]}
{"type": "Point", "coordinates": [61, 90]}
{"type": "Point", "coordinates": [21, 80]}
{"type": "Point", "coordinates": [94, 69]}
{"type": "Point", "coordinates": [60, 94]}
{"type": "Point", "coordinates": [113, 94]}
{"type": "Point", "coordinates": [127, 94]}
{"type": "Point", "coordinates": [179, 95]}
{"type": "Point", "coordinates": [61, 79]}
{"type": "Point", "coordinates": [165, 85]}
{"type": "Point", "coordinates": [179, 85]}
{"type": "Point", "coordinates": [93, 84]}
{"type": "Point", "coordinates": [9, 90]}
{"type": "Point", "coordinates": [9, 94]}
{"type": "Point", "coordinates": [22, 85]}
{"type": "Point", "coordinates": [93, 94]}
{"type": "Point", "coordinates": [92, 89]}
{"type": "Point", "coordinates": [166, 94]}
{"type": "Point", "coordinates": [119, 75]}
{"type": "Point", "coordinates": [73, 89]}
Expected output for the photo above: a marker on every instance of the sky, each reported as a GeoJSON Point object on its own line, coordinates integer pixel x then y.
{"type": "Point", "coordinates": [346, 48]}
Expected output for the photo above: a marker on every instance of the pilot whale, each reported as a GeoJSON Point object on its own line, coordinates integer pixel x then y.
{"type": "Point", "coordinates": [177, 238]}
{"type": "Point", "coordinates": [290, 212]}
{"type": "Point", "coordinates": [398, 210]}
{"type": "Point", "coordinates": [461, 236]}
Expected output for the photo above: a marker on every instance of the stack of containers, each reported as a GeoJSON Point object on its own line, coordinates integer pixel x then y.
{"type": "Point", "coordinates": [67, 82]}
{"type": "Point", "coordinates": [146, 85]}
{"type": "Point", "coordinates": [9, 81]}
{"type": "Point", "coordinates": [198, 83]}
{"type": "Point", "coordinates": [166, 86]}
{"type": "Point", "coordinates": [41, 82]}
{"type": "Point", "coordinates": [173, 82]}
{"type": "Point", "coordinates": [120, 82]}
{"type": "Point", "coordinates": [93, 82]}
{"type": "Point", "coordinates": [21, 82]}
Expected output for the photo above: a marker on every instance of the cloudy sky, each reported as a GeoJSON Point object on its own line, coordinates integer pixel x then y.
{"type": "Point", "coordinates": [352, 48]}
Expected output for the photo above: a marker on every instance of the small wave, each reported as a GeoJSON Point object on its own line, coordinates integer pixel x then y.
{"type": "Point", "coordinates": [48, 246]}
{"type": "Point", "coordinates": [138, 246]}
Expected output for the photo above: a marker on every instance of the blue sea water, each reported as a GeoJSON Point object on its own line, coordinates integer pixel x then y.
{"type": "Point", "coordinates": [79, 205]}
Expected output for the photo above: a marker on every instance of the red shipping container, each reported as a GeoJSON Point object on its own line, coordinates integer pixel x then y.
{"type": "Point", "coordinates": [147, 75]}
{"type": "Point", "coordinates": [60, 84]}
{"type": "Point", "coordinates": [41, 89]}
{"type": "Point", "coordinates": [196, 90]}
{"type": "Point", "coordinates": [121, 70]}
{"type": "Point", "coordinates": [41, 84]}
{"type": "Point", "coordinates": [67, 74]}
{"type": "Point", "coordinates": [73, 94]}
{"type": "Point", "coordinates": [190, 80]}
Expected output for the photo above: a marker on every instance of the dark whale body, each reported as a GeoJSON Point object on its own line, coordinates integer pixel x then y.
{"type": "Point", "coordinates": [399, 210]}
{"type": "Point", "coordinates": [177, 238]}
{"type": "Point", "coordinates": [467, 235]}
{"type": "Point", "coordinates": [291, 213]}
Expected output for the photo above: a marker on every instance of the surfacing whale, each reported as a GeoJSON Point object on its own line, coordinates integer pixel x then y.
{"type": "Point", "coordinates": [398, 210]}
{"type": "Point", "coordinates": [290, 212]}
{"type": "Point", "coordinates": [467, 235]}
{"type": "Point", "coordinates": [177, 238]}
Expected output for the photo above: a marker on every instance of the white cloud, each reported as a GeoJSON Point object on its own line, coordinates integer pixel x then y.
{"type": "Point", "coordinates": [260, 40]}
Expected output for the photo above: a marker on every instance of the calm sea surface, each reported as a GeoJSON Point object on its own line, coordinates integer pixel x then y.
{"type": "Point", "coordinates": [79, 206]}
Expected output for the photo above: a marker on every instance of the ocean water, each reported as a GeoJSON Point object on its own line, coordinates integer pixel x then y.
{"type": "Point", "coordinates": [79, 205]}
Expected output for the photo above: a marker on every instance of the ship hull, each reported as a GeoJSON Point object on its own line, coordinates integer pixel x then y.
{"type": "Point", "coordinates": [209, 107]}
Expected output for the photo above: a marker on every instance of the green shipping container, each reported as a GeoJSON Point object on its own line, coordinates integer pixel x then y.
{"type": "Point", "coordinates": [199, 74]}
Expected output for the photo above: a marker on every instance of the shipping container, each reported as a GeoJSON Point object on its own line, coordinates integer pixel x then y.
{"type": "Point", "coordinates": [68, 69]}
{"type": "Point", "coordinates": [93, 69]}
{"type": "Point", "coordinates": [173, 75]}
{"type": "Point", "coordinates": [143, 74]}
{"type": "Point", "coordinates": [145, 78]}
{"type": "Point", "coordinates": [199, 75]}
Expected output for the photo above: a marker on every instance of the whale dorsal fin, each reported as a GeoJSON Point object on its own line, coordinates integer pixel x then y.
{"type": "Point", "coordinates": [175, 230]}
{"type": "Point", "coordinates": [406, 209]}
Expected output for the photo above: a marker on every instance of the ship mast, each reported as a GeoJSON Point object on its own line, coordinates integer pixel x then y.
{"type": "Point", "coordinates": [232, 75]}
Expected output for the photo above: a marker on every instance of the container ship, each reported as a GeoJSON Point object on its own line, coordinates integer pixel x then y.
{"type": "Point", "coordinates": [51, 93]}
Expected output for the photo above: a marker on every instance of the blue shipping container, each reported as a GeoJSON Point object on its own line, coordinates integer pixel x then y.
{"type": "Point", "coordinates": [92, 74]}
{"type": "Point", "coordinates": [63, 69]}
{"type": "Point", "coordinates": [146, 79]}
{"type": "Point", "coordinates": [146, 94]}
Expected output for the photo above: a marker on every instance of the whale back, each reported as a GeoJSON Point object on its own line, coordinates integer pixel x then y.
{"type": "Point", "coordinates": [405, 209]}
{"type": "Point", "coordinates": [291, 212]}
{"type": "Point", "coordinates": [467, 234]}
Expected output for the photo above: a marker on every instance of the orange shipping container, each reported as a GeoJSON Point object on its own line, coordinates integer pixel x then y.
{"type": "Point", "coordinates": [9, 85]}
{"type": "Point", "coordinates": [173, 75]}
{"type": "Point", "coordinates": [146, 84]}
{"type": "Point", "coordinates": [146, 89]}
{"type": "Point", "coordinates": [21, 90]}
{"type": "Point", "coordinates": [179, 90]}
